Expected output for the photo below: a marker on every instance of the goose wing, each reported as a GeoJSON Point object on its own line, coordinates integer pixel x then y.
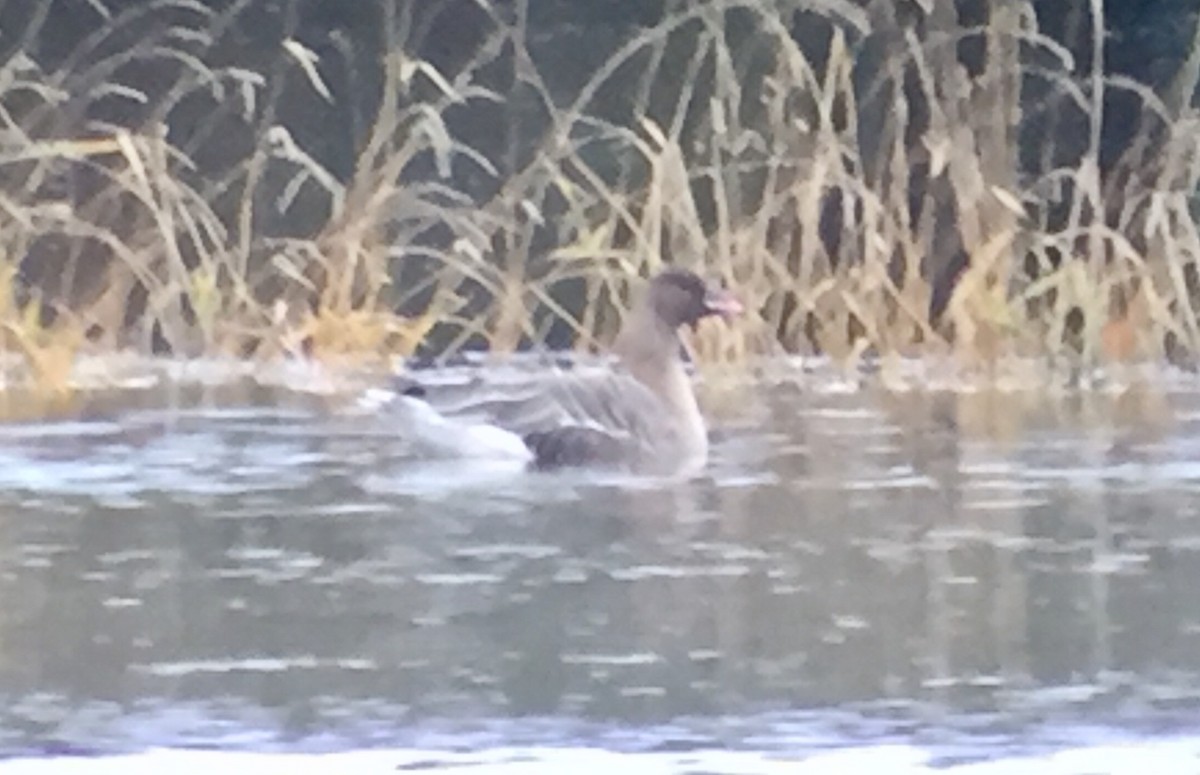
{"type": "Point", "coordinates": [565, 417]}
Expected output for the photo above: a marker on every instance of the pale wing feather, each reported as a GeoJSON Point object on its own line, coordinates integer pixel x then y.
{"type": "Point", "coordinates": [607, 402]}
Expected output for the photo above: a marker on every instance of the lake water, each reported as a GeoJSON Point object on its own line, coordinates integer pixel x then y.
{"type": "Point", "coordinates": [865, 580]}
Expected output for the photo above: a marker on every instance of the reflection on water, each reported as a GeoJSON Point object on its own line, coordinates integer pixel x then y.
{"type": "Point", "coordinates": [980, 572]}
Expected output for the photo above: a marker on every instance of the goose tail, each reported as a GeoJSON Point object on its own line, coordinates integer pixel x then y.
{"type": "Point", "coordinates": [433, 434]}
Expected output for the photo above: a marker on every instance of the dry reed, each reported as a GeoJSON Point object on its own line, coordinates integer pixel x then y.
{"type": "Point", "coordinates": [883, 207]}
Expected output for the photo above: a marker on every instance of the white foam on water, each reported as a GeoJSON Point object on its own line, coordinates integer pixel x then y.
{"type": "Point", "coordinates": [1168, 756]}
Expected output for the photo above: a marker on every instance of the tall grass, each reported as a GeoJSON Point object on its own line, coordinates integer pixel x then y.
{"type": "Point", "coordinates": [870, 190]}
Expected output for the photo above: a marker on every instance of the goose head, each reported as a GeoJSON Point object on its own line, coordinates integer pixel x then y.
{"type": "Point", "coordinates": [680, 297]}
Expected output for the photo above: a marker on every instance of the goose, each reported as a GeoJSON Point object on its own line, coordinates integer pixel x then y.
{"type": "Point", "coordinates": [639, 415]}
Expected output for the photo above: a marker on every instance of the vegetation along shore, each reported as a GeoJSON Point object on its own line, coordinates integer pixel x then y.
{"type": "Point", "coordinates": [984, 178]}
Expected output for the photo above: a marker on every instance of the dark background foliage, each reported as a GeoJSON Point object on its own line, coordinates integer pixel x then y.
{"type": "Point", "coordinates": [535, 80]}
{"type": "Point", "coordinates": [1146, 41]}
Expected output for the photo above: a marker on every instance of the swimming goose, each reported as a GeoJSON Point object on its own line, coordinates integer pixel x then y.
{"type": "Point", "coordinates": [641, 415]}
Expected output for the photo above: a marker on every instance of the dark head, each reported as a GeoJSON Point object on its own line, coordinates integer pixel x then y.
{"type": "Point", "coordinates": [679, 297]}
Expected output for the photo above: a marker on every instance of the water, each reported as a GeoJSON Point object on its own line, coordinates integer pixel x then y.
{"type": "Point", "coordinates": [263, 580]}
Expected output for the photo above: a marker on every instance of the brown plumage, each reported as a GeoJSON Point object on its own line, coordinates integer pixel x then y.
{"type": "Point", "coordinates": [641, 415]}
